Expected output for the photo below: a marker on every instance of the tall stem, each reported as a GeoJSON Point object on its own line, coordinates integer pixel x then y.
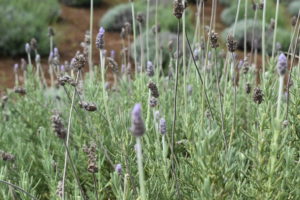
{"type": "Point", "coordinates": [264, 42]}
{"type": "Point", "coordinates": [140, 168]}
{"type": "Point", "coordinates": [275, 28]}
{"type": "Point", "coordinates": [91, 37]}
{"type": "Point", "coordinates": [134, 35]}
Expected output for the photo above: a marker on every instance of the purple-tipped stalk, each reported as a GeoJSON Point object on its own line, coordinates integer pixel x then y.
{"type": "Point", "coordinates": [282, 64]}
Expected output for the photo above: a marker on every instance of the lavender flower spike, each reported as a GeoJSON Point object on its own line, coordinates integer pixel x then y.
{"type": "Point", "coordinates": [282, 64]}
{"type": "Point", "coordinates": [118, 169]}
{"type": "Point", "coordinates": [162, 126]}
{"type": "Point", "coordinates": [27, 48]}
{"type": "Point", "coordinates": [16, 67]}
{"type": "Point", "coordinates": [100, 38]}
{"type": "Point", "coordinates": [150, 69]}
{"type": "Point", "coordinates": [137, 123]}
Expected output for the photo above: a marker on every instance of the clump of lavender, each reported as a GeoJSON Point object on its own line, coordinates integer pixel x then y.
{"type": "Point", "coordinates": [100, 38]}
{"type": "Point", "coordinates": [58, 126]}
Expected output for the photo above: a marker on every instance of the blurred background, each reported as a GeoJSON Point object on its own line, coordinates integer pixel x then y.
{"type": "Point", "coordinates": [23, 20]}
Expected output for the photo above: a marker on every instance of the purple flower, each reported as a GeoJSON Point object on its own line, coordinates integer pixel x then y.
{"type": "Point", "coordinates": [27, 48]}
{"type": "Point", "coordinates": [38, 58]}
{"type": "Point", "coordinates": [118, 168]}
{"type": "Point", "coordinates": [56, 53]}
{"type": "Point", "coordinates": [100, 38]}
{"type": "Point", "coordinates": [282, 64]}
{"type": "Point", "coordinates": [150, 69]}
{"type": "Point", "coordinates": [16, 67]}
{"type": "Point", "coordinates": [162, 126]}
{"type": "Point", "coordinates": [137, 123]}
{"type": "Point", "coordinates": [62, 68]}
{"type": "Point", "coordinates": [113, 54]}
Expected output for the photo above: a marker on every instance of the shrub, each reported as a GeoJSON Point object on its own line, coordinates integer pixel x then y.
{"type": "Point", "coordinates": [283, 36]}
{"type": "Point", "coordinates": [115, 18]}
{"type": "Point", "coordinates": [79, 2]}
{"type": "Point", "coordinates": [228, 15]}
{"type": "Point", "coordinates": [294, 8]}
{"type": "Point", "coordinates": [22, 20]}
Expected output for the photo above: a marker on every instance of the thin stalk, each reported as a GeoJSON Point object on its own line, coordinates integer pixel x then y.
{"type": "Point", "coordinates": [184, 62]}
{"type": "Point", "coordinates": [245, 29]}
{"type": "Point", "coordinates": [201, 79]}
{"type": "Point", "coordinates": [91, 37]}
{"type": "Point", "coordinates": [74, 171]}
{"type": "Point", "coordinates": [148, 110]}
{"type": "Point", "coordinates": [147, 29]}
{"type": "Point", "coordinates": [264, 41]}
{"type": "Point", "coordinates": [156, 36]}
{"type": "Point", "coordinates": [142, 48]}
{"type": "Point", "coordinates": [105, 99]}
{"type": "Point", "coordinates": [18, 188]}
{"type": "Point", "coordinates": [236, 17]}
{"type": "Point", "coordinates": [275, 28]}
{"type": "Point", "coordinates": [96, 187]}
{"type": "Point", "coordinates": [140, 168]}
{"type": "Point", "coordinates": [134, 35]}
{"type": "Point", "coordinates": [67, 139]}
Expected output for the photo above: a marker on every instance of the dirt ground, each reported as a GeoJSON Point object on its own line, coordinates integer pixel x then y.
{"type": "Point", "coordinates": [70, 32]}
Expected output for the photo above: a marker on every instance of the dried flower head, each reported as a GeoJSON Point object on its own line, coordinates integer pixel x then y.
{"type": "Point", "coordinates": [261, 6]}
{"type": "Point", "coordinates": [33, 44]}
{"type": "Point", "coordinates": [58, 125]}
{"type": "Point", "coordinates": [178, 8]}
{"type": "Point", "coordinates": [294, 21]}
{"type": "Point", "coordinates": [170, 45]}
{"type": "Point", "coordinates": [78, 61]}
{"type": "Point", "coordinates": [88, 106]}
{"type": "Point", "coordinates": [156, 28]}
{"type": "Point", "coordinates": [59, 190]}
{"type": "Point", "coordinates": [137, 122]}
{"type": "Point", "coordinates": [140, 18]}
{"type": "Point", "coordinates": [231, 43]}
{"type": "Point", "coordinates": [162, 126]}
{"type": "Point", "coordinates": [50, 32]}
{"type": "Point", "coordinates": [150, 69]}
{"type": "Point", "coordinates": [153, 102]}
{"type": "Point", "coordinates": [19, 90]}
{"type": "Point", "coordinates": [16, 67]}
{"type": "Point", "coordinates": [7, 156]}
{"type": "Point", "coordinates": [258, 96]}
{"type": "Point", "coordinates": [113, 65]}
{"type": "Point", "coordinates": [213, 38]}
{"type": "Point", "coordinates": [100, 38]}
{"type": "Point", "coordinates": [282, 64]}
{"type": "Point", "coordinates": [153, 88]}
{"type": "Point", "coordinates": [248, 88]}
{"type": "Point", "coordinates": [91, 152]}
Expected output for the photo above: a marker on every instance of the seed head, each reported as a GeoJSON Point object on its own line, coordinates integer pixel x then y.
{"type": "Point", "coordinates": [58, 126]}
{"type": "Point", "coordinates": [231, 43]}
{"type": "Point", "coordinates": [78, 62]}
{"type": "Point", "coordinates": [213, 38]}
{"type": "Point", "coordinates": [178, 8]}
{"type": "Point", "coordinates": [153, 102]}
{"type": "Point", "coordinates": [137, 123]}
{"type": "Point", "coordinates": [162, 126]}
{"type": "Point", "coordinates": [88, 106]}
{"type": "Point", "coordinates": [153, 88]}
{"type": "Point", "coordinates": [100, 38]}
{"type": "Point", "coordinates": [51, 32]}
{"type": "Point", "coordinates": [282, 64]}
{"type": "Point", "coordinates": [33, 44]}
{"type": "Point", "coordinates": [258, 96]}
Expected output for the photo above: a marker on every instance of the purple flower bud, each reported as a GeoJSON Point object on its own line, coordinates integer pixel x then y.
{"type": "Point", "coordinates": [150, 69]}
{"type": "Point", "coordinates": [38, 58]}
{"type": "Point", "coordinates": [162, 126]}
{"type": "Point", "coordinates": [100, 39]}
{"type": "Point", "coordinates": [27, 48]}
{"type": "Point", "coordinates": [56, 53]}
{"type": "Point", "coordinates": [137, 123]}
{"type": "Point", "coordinates": [118, 169]}
{"type": "Point", "coordinates": [196, 54]}
{"type": "Point", "coordinates": [282, 64]}
{"type": "Point", "coordinates": [50, 59]}
{"type": "Point", "coordinates": [16, 67]}
{"type": "Point", "coordinates": [113, 54]}
{"type": "Point", "coordinates": [62, 68]}
{"type": "Point", "coordinates": [123, 68]}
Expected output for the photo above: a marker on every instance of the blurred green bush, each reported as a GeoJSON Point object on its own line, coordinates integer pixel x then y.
{"type": "Point", "coordinates": [294, 8]}
{"type": "Point", "coordinates": [115, 18]}
{"type": "Point", "coordinates": [79, 2]}
{"type": "Point", "coordinates": [23, 20]}
{"type": "Point", "coordinates": [228, 15]}
{"type": "Point", "coordinates": [254, 30]}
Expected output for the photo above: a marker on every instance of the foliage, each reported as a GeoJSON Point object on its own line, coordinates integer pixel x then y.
{"type": "Point", "coordinates": [254, 30]}
{"type": "Point", "coordinates": [80, 2]}
{"type": "Point", "coordinates": [228, 15]}
{"type": "Point", "coordinates": [294, 8]}
{"type": "Point", "coordinates": [22, 20]}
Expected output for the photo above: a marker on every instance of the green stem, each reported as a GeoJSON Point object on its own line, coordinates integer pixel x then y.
{"type": "Point", "coordinates": [140, 168]}
{"type": "Point", "coordinates": [275, 28]}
